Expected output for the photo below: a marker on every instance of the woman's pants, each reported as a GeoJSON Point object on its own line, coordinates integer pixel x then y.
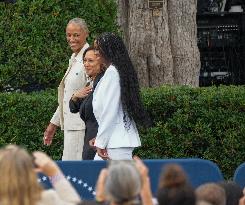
{"type": "Point", "coordinates": [121, 153]}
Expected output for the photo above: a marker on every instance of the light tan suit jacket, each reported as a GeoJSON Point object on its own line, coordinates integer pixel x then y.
{"type": "Point", "coordinates": [74, 79]}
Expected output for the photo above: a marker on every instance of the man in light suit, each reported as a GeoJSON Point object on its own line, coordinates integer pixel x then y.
{"type": "Point", "coordinates": [74, 79]}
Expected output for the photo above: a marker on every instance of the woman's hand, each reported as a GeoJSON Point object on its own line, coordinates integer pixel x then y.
{"type": "Point", "coordinates": [100, 186]}
{"type": "Point", "coordinates": [82, 93]}
{"type": "Point", "coordinates": [45, 164]}
{"type": "Point", "coordinates": [146, 194]}
{"type": "Point", "coordinates": [91, 143]}
{"type": "Point", "coordinates": [102, 153]}
{"type": "Point", "coordinates": [143, 169]}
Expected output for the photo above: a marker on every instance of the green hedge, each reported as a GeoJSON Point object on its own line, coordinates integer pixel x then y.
{"type": "Point", "coordinates": [24, 118]}
{"type": "Point", "coordinates": [208, 123]}
{"type": "Point", "coordinates": [33, 49]}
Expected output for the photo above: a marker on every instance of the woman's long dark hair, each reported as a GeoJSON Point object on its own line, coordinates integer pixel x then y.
{"type": "Point", "coordinates": [112, 48]}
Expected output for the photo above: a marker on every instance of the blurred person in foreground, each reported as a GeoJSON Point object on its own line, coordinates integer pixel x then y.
{"type": "Point", "coordinates": [19, 182]}
{"type": "Point", "coordinates": [242, 200]}
{"type": "Point", "coordinates": [124, 183]}
{"type": "Point", "coordinates": [233, 192]}
{"type": "Point", "coordinates": [174, 188]}
{"type": "Point", "coordinates": [74, 79]}
{"type": "Point", "coordinates": [211, 193]}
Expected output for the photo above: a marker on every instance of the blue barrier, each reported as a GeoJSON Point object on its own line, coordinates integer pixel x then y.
{"type": "Point", "coordinates": [239, 175]}
{"type": "Point", "coordinates": [83, 174]}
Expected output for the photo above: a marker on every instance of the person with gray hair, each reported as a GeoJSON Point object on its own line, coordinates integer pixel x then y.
{"type": "Point", "coordinates": [73, 80]}
{"type": "Point", "coordinates": [124, 183]}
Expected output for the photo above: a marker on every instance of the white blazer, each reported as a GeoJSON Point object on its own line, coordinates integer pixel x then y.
{"type": "Point", "coordinates": [107, 108]}
{"type": "Point", "coordinates": [74, 79]}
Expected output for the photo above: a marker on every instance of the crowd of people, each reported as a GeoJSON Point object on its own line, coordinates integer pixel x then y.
{"type": "Point", "coordinates": [123, 182]}
{"type": "Point", "coordinates": [99, 109]}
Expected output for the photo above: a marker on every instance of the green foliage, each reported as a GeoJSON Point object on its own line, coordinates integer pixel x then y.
{"type": "Point", "coordinates": [33, 49]}
{"type": "Point", "coordinates": [24, 118]}
{"type": "Point", "coordinates": [208, 123]}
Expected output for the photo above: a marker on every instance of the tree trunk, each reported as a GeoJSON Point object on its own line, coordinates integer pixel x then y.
{"type": "Point", "coordinates": [163, 47]}
{"type": "Point", "coordinates": [183, 35]}
{"type": "Point", "coordinates": [148, 41]}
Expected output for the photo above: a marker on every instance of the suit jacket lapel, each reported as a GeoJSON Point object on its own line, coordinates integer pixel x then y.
{"type": "Point", "coordinates": [72, 60]}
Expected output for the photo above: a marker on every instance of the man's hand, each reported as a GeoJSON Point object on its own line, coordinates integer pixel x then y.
{"type": "Point", "coordinates": [49, 134]}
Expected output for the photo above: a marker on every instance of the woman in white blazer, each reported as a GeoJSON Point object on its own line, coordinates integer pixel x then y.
{"type": "Point", "coordinates": [116, 101]}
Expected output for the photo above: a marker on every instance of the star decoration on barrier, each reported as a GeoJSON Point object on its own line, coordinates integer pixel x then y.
{"type": "Point", "coordinates": [73, 180]}
{"type": "Point", "coordinates": [44, 178]}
